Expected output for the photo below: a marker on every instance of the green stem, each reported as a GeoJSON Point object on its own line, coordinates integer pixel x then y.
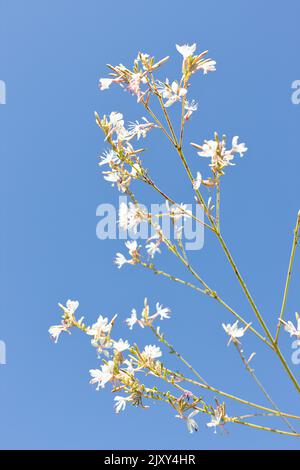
{"type": "Point", "coordinates": [289, 274]}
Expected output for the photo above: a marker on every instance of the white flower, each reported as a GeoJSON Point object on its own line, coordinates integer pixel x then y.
{"type": "Point", "coordinates": [116, 125]}
{"type": "Point", "coordinates": [116, 119]}
{"type": "Point", "coordinates": [56, 330]}
{"type": "Point", "coordinates": [151, 352]}
{"type": "Point", "coordinates": [208, 66]}
{"type": "Point", "coordinates": [102, 326]}
{"type": "Point", "coordinates": [171, 93]}
{"type": "Point", "coordinates": [290, 328]}
{"type": "Point", "coordinates": [123, 216]}
{"type": "Point", "coordinates": [209, 148]}
{"type": "Point", "coordinates": [152, 248]}
{"type": "Point", "coordinates": [218, 418]}
{"type": "Point", "coordinates": [130, 369]}
{"type": "Point", "coordinates": [130, 216]}
{"type": "Point", "coordinates": [215, 421]}
{"type": "Point", "coordinates": [134, 85]}
{"type": "Point", "coordinates": [96, 375]}
{"type": "Point", "coordinates": [197, 181]}
{"type": "Point", "coordinates": [238, 148]}
{"type": "Point", "coordinates": [139, 130]}
{"type": "Point", "coordinates": [132, 246]}
{"type": "Point", "coordinates": [185, 50]}
{"type": "Point", "coordinates": [161, 311]}
{"type": "Point", "coordinates": [109, 157]}
{"type": "Point", "coordinates": [234, 331]}
{"type": "Point", "coordinates": [121, 345]}
{"type": "Point", "coordinates": [133, 319]}
{"type": "Point", "coordinates": [70, 308]}
{"type": "Point", "coordinates": [190, 422]}
{"type": "Point", "coordinates": [190, 108]}
{"type": "Point", "coordinates": [220, 156]}
{"type": "Point", "coordinates": [101, 377]}
{"type": "Point", "coordinates": [120, 260]}
{"type": "Point", "coordinates": [104, 83]}
{"type": "Point", "coordinates": [120, 403]}
{"type": "Point", "coordinates": [178, 211]}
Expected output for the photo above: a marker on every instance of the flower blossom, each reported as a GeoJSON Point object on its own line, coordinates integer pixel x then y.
{"type": "Point", "coordinates": [133, 319]}
{"type": "Point", "coordinates": [218, 418]}
{"type": "Point", "coordinates": [101, 377]}
{"type": "Point", "coordinates": [234, 331]}
{"type": "Point", "coordinates": [190, 108]}
{"type": "Point", "coordinates": [56, 330]}
{"type": "Point", "coordinates": [151, 352]}
{"type": "Point", "coordinates": [67, 321]}
{"type": "Point", "coordinates": [186, 50]}
{"type": "Point", "coordinates": [146, 319]}
{"type": "Point", "coordinates": [197, 181]}
{"type": "Point", "coordinates": [121, 403]}
{"type": "Point", "coordinates": [190, 422]}
{"type": "Point", "coordinates": [131, 216]}
{"type": "Point", "coordinates": [290, 328]}
{"type": "Point", "coordinates": [100, 328]}
{"type": "Point", "coordinates": [153, 248]}
{"type": "Point", "coordinates": [109, 158]}
{"type": "Point", "coordinates": [121, 345]}
{"type": "Point", "coordinates": [219, 155]}
{"type": "Point", "coordinates": [138, 130]}
{"type": "Point", "coordinates": [133, 250]}
{"type": "Point", "coordinates": [171, 93]}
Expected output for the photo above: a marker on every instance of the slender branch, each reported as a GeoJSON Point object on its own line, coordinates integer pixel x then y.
{"type": "Point", "coordinates": [288, 278]}
{"type": "Point", "coordinates": [240, 400]}
{"type": "Point", "coordinates": [264, 428]}
{"type": "Point", "coordinates": [259, 384]}
{"type": "Point", "coordinates": [172, 350]}
{"type": "Point", "coordinates": [218, 203]}
{"type": "Point", "coordinates": [210, 293]}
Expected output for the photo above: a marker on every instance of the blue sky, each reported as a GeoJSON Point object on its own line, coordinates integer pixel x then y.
{"type": "Point", "coordinates": [52, 57]}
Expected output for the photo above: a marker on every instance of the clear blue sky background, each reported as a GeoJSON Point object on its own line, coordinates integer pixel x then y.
{"type": "Point", "coordinates": [52, 55]}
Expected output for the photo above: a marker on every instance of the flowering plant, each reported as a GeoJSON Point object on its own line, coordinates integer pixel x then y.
{"type": "Point", "coordinates": [123, 366]}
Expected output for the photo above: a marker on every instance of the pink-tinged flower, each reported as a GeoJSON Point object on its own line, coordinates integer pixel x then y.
{"type": "Point", "coordinates": [134, 85]}
{"type": "Point", "coordinates": [190, 108]}
{"type": "Point", "coordinates": [217, 152]}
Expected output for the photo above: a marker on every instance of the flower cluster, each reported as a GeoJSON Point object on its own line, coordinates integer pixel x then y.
{"type": "Point", "coordinates": [219, 155]}
{"type": "Point", "coordinates": [127, 367]}
{"type": "Point", "coordinates": [147, 319]}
